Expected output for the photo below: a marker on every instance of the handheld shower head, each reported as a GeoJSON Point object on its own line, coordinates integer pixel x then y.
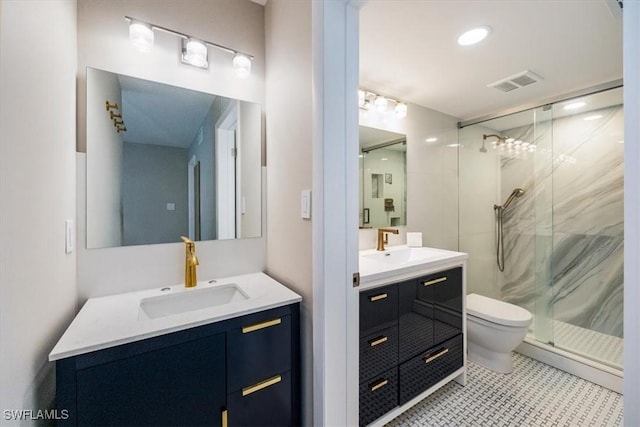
{"type": "Point", "coordinates": [515, 193]}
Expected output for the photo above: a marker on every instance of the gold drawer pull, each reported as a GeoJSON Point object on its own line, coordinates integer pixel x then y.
{"type": "Point", "coordinates": [225, 418]}
{"type": "Point", "coordinates": [435, 356]}
{"type": "Point", "coordinates": [378, 297]}
{"type": "Point", "coordinates": [264, 384]}
{"type": "Point", "coordinates": [262, 325]}
{"type": "Point", "coordinates": [379, 384]}
{"type": "Point", "coordinates": [434, 281]}
{"type": "Point", "coordinates": [374, 342]}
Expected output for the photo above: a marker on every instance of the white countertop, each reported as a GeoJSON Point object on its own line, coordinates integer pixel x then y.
{"type": "Point", "coordinates": [114, 320]}
{"type": "Point", "coordinates": [375, 273]}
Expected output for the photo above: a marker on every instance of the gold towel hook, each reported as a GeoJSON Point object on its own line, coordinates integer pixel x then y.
{"type": "Point", "coordinates": [114, 116]}
{"type": "Point", "coordinates": [117, 122]}
{"type": "Point", "coordinates": [121, 129]}
{"type": "Point", "coordinates": [111, 106]}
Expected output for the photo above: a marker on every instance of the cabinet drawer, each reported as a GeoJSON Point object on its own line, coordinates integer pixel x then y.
{"type": "Point", "coordinates": [266, 403]}
{"type": "Point", "coordinates": [378, 352]}
{"type": "Point", "coordinates": [258, 349]}
{"type": "Point", "coordinates": [378, 308]}
{"type": "Point", "coordinates": [378, 396]}
{"type": "Point", "coordinates": [423, 371]}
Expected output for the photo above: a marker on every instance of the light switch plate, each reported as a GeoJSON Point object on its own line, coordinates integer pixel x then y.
{"type": "Point", "coordinates": [68, 236]}
{"type": "Point", "coordinates": [305, 204]}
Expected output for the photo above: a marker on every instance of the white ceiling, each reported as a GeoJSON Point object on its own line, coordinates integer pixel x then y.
{"type": "Point", "coordinates": [159, 114]}
{"type": "Point", "coordinates": [408, 50]}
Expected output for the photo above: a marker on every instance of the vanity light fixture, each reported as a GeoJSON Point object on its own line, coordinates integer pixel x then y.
{"type": "Point", "coordinates": [141, 35]}
{"type": "Point", "coordinates": [242, 65]}
{"type": "Point", "coordinates": [194, 50]}
{"type": "Point", "coordinates": [382, 103]}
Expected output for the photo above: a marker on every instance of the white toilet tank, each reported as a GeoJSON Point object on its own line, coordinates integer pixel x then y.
{"type": "Point", "coordinates": [499, 312]}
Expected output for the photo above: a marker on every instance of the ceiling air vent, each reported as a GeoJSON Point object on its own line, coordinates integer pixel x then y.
{"type": "Point", "coordinates": [516, 81]}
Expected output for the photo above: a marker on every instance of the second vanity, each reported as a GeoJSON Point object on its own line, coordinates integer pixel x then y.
{"type": "Point", "coordinates": [222, 353]}
{"type": "Point", "coordinates": [412, 328]}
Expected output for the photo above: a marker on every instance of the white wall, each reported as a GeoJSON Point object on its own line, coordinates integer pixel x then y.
{"type": "Point", "coordinates": [289, 169]}
{"type": "Point", "coordinates": [105, 224]}
{"type": "Point", "coordinates": [432, 175]}
{"type": "Point", "coordinates": [37, 176]}
{"type": "Point", "coordinates": [479, 191]}
{"type": "Point", "coordinates": [103, 42]}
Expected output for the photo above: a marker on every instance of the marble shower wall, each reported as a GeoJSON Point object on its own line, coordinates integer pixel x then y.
{"type": "Point", "coordinates": [581, 164]}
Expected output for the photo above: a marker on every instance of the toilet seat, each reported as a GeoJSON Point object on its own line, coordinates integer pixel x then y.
{"type": "Point", "coordinates": [495, 311]}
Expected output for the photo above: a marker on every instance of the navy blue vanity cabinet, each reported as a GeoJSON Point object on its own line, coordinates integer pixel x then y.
{"type": "Point", "coordinates": [378, 352]}
{"type": "Point", "coordinates": [430, 311]}
{"type": "Point", "coordinates": [410, 339]}
{"type": "Point", "coordinates": [259, 371]}
{"type": "Point", "coordinates": [431, 341]}
{"type": "Point", "coordinates": [190, 377]}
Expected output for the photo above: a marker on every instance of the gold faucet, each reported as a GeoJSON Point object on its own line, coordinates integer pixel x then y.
{"type": "Point", "coordinates": [191, 262]}
{"type": "Point", "coordinates": [383, 237]}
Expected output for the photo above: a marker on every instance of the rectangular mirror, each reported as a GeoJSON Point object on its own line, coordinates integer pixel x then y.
{"type": "Point", "coordinates": [165, 162]}
{"type": "Point", "coordinates": [383, 178]}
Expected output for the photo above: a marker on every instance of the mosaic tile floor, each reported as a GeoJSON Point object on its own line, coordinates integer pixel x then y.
{"type": "Point", "coordinates": [535, 394]}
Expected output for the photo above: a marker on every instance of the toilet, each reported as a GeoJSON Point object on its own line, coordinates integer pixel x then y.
{"type": "Point", "coordinates": [494, 329]}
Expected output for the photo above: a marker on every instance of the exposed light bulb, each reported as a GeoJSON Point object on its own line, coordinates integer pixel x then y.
{"type": "Point", "coordinates": [194, 52]}
{"type": "Point", "coordinates": [401, 109]}
{"type": "Point", "coordinates": [141, 35]}
{"type": "Point", "coordinates": [242, 65]}
{"type": "Point", "coordinates": [381, 103]}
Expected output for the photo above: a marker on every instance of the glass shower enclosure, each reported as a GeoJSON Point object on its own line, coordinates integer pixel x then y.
{"type": "Point", "coordinates": [541, 216]}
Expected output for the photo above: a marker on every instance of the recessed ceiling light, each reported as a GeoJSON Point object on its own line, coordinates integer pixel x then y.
{"type": "Point", "coordinates": [432, 139]}
{"type": "Point", "coordinates": [593, 117]}
{"type": "Point", "coordinates": [575, 105]}
{"type": "Point", "coordinates": [474, 36]}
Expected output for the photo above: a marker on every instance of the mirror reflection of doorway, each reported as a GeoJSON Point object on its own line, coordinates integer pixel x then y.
{"type": "Point", "coordinates": [196, 200]}
{"type": "Point", "coordinates": [195, 228]}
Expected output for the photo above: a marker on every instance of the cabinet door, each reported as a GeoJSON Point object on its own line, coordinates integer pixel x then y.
{"type": "Point", "coordinates": [378, 309]}
{"type": "Point", "coordinates": [415, 318]}
{"type": "Point", "coordinates": [267, 403]}
{"type": "Point", "coordinates": [447, 308]}
{"type": "Point", "coordinates": [258, 349]}
{"type": "Point", "coordinates": [178, 385]}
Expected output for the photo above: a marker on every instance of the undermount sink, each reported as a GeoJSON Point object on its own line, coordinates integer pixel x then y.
{"type": "Point", "coordinates": [185, 300]}
{"type": "Point", "coordinates": [404, 255]}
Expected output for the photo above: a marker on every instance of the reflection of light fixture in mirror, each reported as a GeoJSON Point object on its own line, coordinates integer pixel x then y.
{"type": "Point", "coordinates": [366, 99]}
{"type": "Point", "coordinates": [194, 52]}
{"type": "Point", "coordinates": [431, 139]}
{"type": "Point", "coordinates": [381, 103]}
{"type": "Point", "coordinates": [242, 65]}
{"type": "Point", "coordinates": [141, 35]}
{"type": "Point", "coordinates": [401, 109]}
{"type": "Point", "coordinates": [362, 98]}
